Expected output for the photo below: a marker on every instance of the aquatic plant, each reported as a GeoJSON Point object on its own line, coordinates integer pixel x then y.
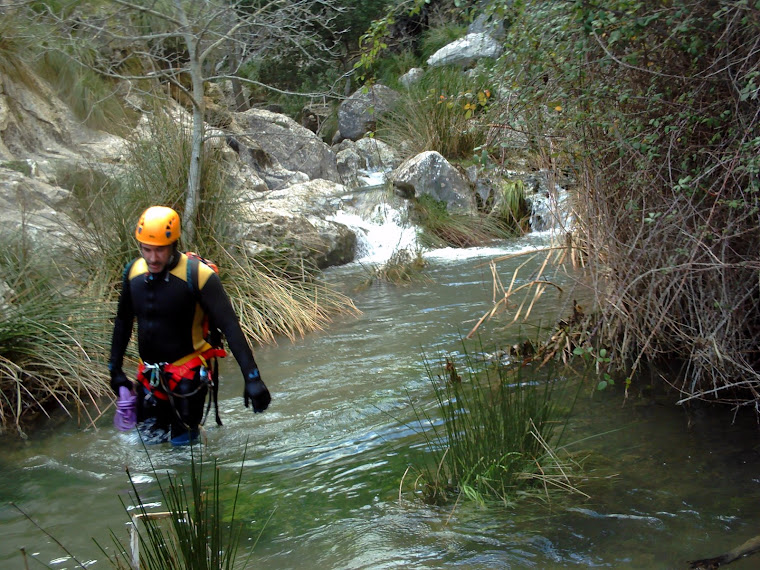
{"type": "Point", "coordinates": [496, 434]}
{"type": "Point", "coordinates": [441, 228]}
{"type": "Point", "coordinates": [402, 268]}
{"type": "Point", "coordinates": [193, 533]}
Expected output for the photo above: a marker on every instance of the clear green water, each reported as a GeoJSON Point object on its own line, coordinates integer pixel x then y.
{"type": "Point", "coordinates": [325, 463]}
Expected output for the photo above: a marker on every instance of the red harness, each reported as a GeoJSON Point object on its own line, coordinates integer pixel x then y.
{"type": "Point", "coordinates": [160, 378]}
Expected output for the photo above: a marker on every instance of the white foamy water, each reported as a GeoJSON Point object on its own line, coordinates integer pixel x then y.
{"type": "Point", "coordinates": [371, 177]}
{"type": "Point", "coordinates": [384, 232]}
{"type": "Point", "coordinates": [379, 235]}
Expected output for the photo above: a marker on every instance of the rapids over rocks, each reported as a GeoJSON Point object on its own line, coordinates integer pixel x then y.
{"type": "Point", "coordinates": [324, 464]}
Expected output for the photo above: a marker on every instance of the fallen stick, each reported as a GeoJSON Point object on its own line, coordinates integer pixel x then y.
{"type": "Point", "coordinates": [745, 549]}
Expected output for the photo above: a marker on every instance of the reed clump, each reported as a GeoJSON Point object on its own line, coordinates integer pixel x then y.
{"type": "Point", "coordinates": [197, 528]}
{"type": "Point", "coordinates": [497, 434]}
{"type": "Point", "coordinates": [51, 339]}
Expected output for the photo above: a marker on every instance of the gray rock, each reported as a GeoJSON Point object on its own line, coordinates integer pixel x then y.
{"type": "Point", "coordinates": [358, 114]}
{"type": "Point", "coordinates": [411, 77]}
{"type": "Point", "coordinates": [376, 154]}
{"type": "Point", "coordinates": [295, 148]}
{"type": "Point", "coordinates": [429, 173]}
{"type": "Point", "coordinates": [349, 162]}
{"type": "Point", "coordinates": [466, 50]}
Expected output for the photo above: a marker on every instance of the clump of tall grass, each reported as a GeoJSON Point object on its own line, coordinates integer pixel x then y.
{"type": "Point", "coordinates": [402, 268]}
{"type": "Point", "coordinates": [440, 112]}
{"type": "Point", "coordinates": [194, 532]}
{"type": "Point", "coordinates": [510, 208]}
{"type": "Point", "coordinates": [14, 42]}
{"type": "Point", "coordinates": [437, 37]}
{"type": "Point", "coordinates": [441, 228]}
{"type": "Point", "coordinates": [270, 305]}
{"type": "Point", "coordinates": [51, 339]}
{"type": "Point", "coordinates": [496, 436]}
{"type": "Point", "coordinates": [93, 99]}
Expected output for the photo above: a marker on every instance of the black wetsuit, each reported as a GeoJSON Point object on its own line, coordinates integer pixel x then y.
{"type": "Point", "coordinates": [169, 315]}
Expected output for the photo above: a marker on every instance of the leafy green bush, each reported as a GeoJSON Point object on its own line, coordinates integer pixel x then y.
{"type": "Point", "coordinates": [653, 107]}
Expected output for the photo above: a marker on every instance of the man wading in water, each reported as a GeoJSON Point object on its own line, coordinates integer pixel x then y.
{"type": "Point", "coordinates": [170, 295]}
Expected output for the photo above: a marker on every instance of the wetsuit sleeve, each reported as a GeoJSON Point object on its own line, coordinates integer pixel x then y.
{"type": "Point", "coordinates": [123, 324]}
{"type": "Point", "coordinates": [216, 304]}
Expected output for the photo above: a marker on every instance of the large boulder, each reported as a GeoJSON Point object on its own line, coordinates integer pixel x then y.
{"type": "Point", "coordinates": [33, 207]}
{"type": "Point", "coordinates": [466, 50]}
{"type": "Point", "coordinates": [429, 173]}
{"type": "Point", "coordinates": [358, 114]}
{"type": "Point", "coordinates": [349, 163]}
{"type": "Point", "coordinates": [295, 220]}
{"type": "Point", "coordinates": [376, 154]}
{"type": "Point", "coordinates": [293, 147]}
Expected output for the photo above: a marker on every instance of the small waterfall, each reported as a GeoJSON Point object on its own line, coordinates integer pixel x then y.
{"type": "Point", "coordinates": [371, 177]}
{"type": "Point", "coordinates": [382, 228]}
{"type": "Point", "coordinates": [380, 233]}
{"type": "Point", "coordinates": [549, 203]}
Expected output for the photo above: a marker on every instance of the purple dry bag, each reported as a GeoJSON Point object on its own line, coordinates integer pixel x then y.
{"type": "Point", "coordinates": [125, 417]}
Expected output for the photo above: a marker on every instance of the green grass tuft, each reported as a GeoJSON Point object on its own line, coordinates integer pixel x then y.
{"type": "Point", "coordinates": [495, 436]}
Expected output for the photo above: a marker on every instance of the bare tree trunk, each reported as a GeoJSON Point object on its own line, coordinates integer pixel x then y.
{"type": "Point", "coordinates": [193, 198]}
{"type": "Point", "coordinates": [241, 102]}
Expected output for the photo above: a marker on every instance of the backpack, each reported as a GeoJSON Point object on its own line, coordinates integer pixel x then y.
{"type": "Point", "coordinates": [212, 334]}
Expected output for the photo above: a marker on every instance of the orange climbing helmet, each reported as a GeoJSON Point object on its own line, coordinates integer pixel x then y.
{"type": "Point", "coordinates": [158, 225]}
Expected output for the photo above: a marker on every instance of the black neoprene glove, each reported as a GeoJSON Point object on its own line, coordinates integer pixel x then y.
{"type": "Point", "coordinates": [256, 392]}
{"type": "Point", "coordinates": [119, 379]}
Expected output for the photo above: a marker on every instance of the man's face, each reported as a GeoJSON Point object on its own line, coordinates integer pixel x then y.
{"type": "Point", "coordinates": [156, 256]}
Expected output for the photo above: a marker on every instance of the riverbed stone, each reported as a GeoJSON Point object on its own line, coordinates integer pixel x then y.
{"type": "Point", "coordinates": [429, 173]}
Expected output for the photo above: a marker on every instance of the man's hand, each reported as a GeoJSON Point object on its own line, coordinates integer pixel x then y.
{"type": "Point", "coordinates": [119, 379]}
{"type": "Point", "coordinates": [256, 393]}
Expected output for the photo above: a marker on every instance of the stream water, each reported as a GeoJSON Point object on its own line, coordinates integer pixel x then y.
{"type": "Point", "coordinates": [324, 465]}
